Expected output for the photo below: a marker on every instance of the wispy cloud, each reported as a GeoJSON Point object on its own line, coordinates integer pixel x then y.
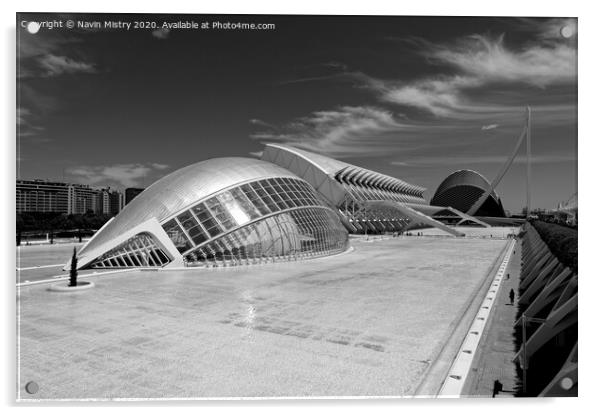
{"type": "Point", "coordinates": [479, 62]}
{"type": "Point", "coordinates": [256, 121]}
{"type": "Point", "coordinates": [54, 65]}
{"type": "Point", "coordinates": [477, 80]}
{"type": "Point", "coordinates": [439, 96]}
{"type": "Point", "coordinates": [126, 175]}
{"type": "Point", "coordinates": [344, 131]}
{"type": "Point", "coordinates": [52, 55]}
{"type": "Point", "coordinates": [22, 114]}
{"type": "Point", "coordinates": [160, 33]}
{"type": "Point", "coordinates": [27, 128]}
{"type": "Point", "coordinates": [489, 127]}
{"type": "Point", "coordinates": [488, 59]}
{"type": "Point", "coordinates": [550, 29]}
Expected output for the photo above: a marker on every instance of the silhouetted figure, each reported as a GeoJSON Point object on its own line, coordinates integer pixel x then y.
{"type": "Point", "coordinates": [497, 387]}
{"type": "Point", "coordinates": [511, 295]}
{"type": "Point", "coordinates": [507, 276]}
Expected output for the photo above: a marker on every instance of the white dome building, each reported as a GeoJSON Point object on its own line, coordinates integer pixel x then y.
{"type": "Point", "coordinates": [223, 211]}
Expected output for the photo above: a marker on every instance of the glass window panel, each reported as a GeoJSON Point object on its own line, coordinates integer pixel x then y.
{"type": "Point", "coordinates": [177, 236]}
{"type": "Point", "coordinates": [198, 236]}
{"type": "Point", "coordinates": [236, 211]}
{"type": "Point", "coordinates": [274, 195]}
{"type": "Point", "coordinates": [127, 261]}
{"type": "Point", "coordinates": [186, 220]}
{"type": "Point", "coordinates": [220, 213]}
{"type": "Point", "coordinates": [244, 202]}
{"type": "Point", "coordinates": [261, 206]}
{"type": "Point", "coordinates": [201, 212]}
{"type": "Point", "coordinates": [269, 201]}
{"type": "Point", "coordinates": [214, 231]}
{"type": "Point", "coordinates": [258, 200]}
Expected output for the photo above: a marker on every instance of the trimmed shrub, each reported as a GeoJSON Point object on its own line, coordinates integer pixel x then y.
{"type": "Point", "coordinates": [561, 240]}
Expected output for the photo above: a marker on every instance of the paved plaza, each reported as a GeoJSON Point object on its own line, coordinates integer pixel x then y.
{"type": "Point", "coordinates": [368, 322]}
{"type": "Point", "coordinates": [43, 261]}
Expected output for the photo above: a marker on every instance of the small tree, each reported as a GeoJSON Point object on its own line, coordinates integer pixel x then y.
{"type": "Point", "coordinates": [73, 271]}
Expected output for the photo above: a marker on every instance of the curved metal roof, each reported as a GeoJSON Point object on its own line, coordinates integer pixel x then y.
{"type": "Point", "coordinates": [331, 167]}
{"type": "Point", "coordinates": [185, 187]}
{"type": "Point", "coordinates": [325, 164]}
{"type": "Point", "coordinates": [465, 177]}
{"type": "Point", "coordinates": [462, 189]}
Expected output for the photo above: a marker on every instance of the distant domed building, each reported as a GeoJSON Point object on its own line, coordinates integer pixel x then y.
{"type": "Point", "coordinates": [462, 189]}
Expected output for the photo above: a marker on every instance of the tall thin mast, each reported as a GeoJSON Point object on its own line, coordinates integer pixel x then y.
{"type": "Point", "coordinates": [528, 160]}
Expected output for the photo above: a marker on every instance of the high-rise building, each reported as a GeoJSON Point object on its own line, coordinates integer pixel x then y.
{"type": "Point", "coordinates": [48, 196]}
{"type": "Point", "coordinates": [43, 196]}
{"type": "Point", "coordinates": [116, 202]}
{"type": "Point", "coordinates": [103, 201]}
{"type": "Point", "coordinates": [85, 199]}
{"type": "Point", "coordinates": [131, 193]}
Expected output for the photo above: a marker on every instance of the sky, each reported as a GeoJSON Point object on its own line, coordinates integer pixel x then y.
{"type": "Point", "coordinates": [416, 98]}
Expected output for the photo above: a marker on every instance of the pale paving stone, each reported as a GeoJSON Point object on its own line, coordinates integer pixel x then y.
{"type": "Point", "coordinates": [368, 322]}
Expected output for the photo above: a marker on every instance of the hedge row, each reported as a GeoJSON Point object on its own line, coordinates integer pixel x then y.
{"type": "Point", "coordinates": [561, 240]}
{"type": "Point", "coordinates": [52, 221]}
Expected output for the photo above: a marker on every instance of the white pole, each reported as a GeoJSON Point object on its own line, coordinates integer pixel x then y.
{"type": "Point", "coordinates": [528, 161]}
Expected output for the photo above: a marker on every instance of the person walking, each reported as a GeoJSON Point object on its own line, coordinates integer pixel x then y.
{"type": "Point", "coordinates": [497, 387]}
{"type": "Point", "coordinates": [511, 295]}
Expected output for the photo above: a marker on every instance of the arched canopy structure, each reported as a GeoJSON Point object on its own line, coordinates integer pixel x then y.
{"type": "Point", "coordinates": [350, 189]}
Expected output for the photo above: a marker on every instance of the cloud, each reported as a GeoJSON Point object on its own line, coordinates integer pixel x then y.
{"type": "Point", "coordinates": [126, 175]}
{"type": "Point", "coordinates": [27, 128]}
{"type": "Point", "coordinates": [549, 29]}
{"type": "Point", "coordinates": [54, 65]}
{"type": "Point", "coordinates": [489, 127]}
{"type": "Point", "coordinates": [159, 166]}
{"type": "Point", "coordinates": [439, 95]}
{"type": "Point", "coordinates": [476, 80]}
{"type": "Point", "coordinates": [480, 63]}
{"type": "Point", "coordinates": [160, 33]}
{"type": "Point", "coordinates": [22, 114]}
{"type": "Point", "coordinates": [45, 55]}
{"type": "Point", "coordinates": [259, 122]}
{"type": "Point", "coordinates": [489, 60]}
{"type": "Point", "coordinates": [342, 132]}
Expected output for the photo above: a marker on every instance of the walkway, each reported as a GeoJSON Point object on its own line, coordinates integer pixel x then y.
{"type": "Point", "coordinates": [494, 358]}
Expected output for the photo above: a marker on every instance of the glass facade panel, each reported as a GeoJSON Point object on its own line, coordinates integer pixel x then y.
{"type": "Point", "coordinates": [294, 234]}
{"type": "Point", "coordinates": [241, 209]}
{"type": "Point", "coordinates": [265, 198]}
{"type": "Point", "coordinates": [207, 221]}
{"type": "Point", "coordinates": [255, 199]}
{"type": "Point", "coordinates": [220, 213]}
{"type": "Point", "coordinates": [138, 251]}
{"type": "Point", "coordinates": [177, 235]}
